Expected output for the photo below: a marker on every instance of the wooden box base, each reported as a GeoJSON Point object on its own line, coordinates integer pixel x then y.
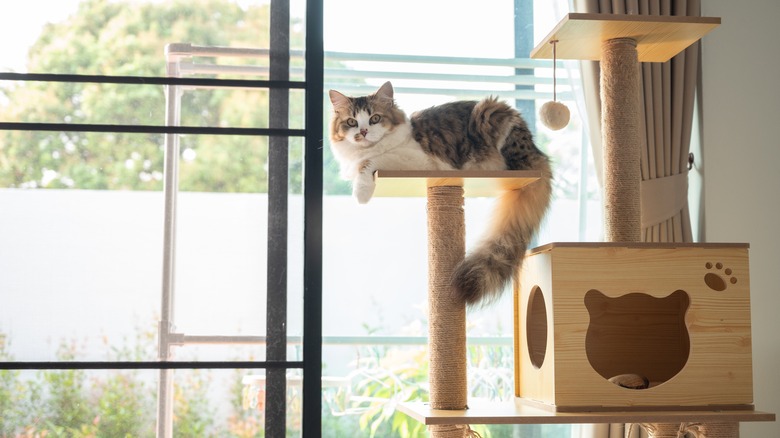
{"type": "Point", "coordinates": [676, 316]}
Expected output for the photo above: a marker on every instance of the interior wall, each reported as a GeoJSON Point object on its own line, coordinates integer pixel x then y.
{"type": "Point", "coordinates": [740, 158]}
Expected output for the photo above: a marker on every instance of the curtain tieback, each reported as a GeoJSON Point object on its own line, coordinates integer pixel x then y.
{"type": "Point", "coordinates": [662, 198]}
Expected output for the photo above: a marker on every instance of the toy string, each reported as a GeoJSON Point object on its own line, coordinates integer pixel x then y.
{"type": "Point", "coordinates": [555, 55]}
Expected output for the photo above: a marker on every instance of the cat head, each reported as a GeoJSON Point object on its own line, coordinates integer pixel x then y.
{"type": "Point", "coordinates": [364, 121]}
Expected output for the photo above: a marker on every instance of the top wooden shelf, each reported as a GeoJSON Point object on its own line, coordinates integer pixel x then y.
{"type": "Point", "coordinates": [658, 38]}
{"type": "Point", "coordinates": [476, 183]}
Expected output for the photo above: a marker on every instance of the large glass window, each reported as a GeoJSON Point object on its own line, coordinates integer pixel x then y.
{"type": "Point", "coordinates": [152, 263]}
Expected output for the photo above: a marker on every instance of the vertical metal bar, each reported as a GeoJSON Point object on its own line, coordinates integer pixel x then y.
{"type": "Point", "coordinates": [170, 193]}
{"type": "Point", "coordinates": [312, 210]}
{"type": "Point", "coordinates": [278, 165]}
{"type": "Point", "coordinates": [524, 43]}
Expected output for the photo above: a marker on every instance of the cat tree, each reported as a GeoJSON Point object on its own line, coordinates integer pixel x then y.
{"type": "Point", "coordinates": [620, 42]}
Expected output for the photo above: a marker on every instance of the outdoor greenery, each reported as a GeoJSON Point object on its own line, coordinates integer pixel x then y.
{"type": "Point", "coordinates": [86, 404]}
{"type": "Point", "coordinates": [127, 38]}
{"type": "Point", "coordinates": [82, 404]}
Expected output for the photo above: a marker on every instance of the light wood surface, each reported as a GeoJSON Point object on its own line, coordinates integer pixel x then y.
{"type": "Point", "coordinates": [517, 412]}
{"type": "Point", "coordinates": [677, 314]}
{"type": "Point", "coordinates": [658, 38]}
{"type": "Point", "coordinates": [638, 245]}
{"type": "Point", "coordinates": [475, 183]}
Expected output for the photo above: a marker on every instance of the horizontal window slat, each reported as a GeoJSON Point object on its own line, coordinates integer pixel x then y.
{"type": "Point", "coordinates": [150, 365]}
{"type": "Point", "coordinates": [150, 80]}
{"type": "Point", "coordinates": [149, 129]}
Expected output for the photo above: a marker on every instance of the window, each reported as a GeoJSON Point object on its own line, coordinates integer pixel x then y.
{"type": "Point", "coordinates": [153, 161]}
{"type": "Point", "coordinates": [249, 295]}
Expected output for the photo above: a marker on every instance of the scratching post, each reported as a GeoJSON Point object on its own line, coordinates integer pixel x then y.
{"type": "Point", "coordinates": [697, 430]}
{"type": "Point", "coordinates": [714, 430]}
{"type": "Point", "coordinates": [664, 430]}
{"type": "Point", "coordinates": [446, 315]}
{"type": "Point", "coordinates": [620, 126]}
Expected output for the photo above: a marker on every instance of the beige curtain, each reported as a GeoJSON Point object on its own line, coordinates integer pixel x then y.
{"type": "Point", "coordinates": [668, 94]}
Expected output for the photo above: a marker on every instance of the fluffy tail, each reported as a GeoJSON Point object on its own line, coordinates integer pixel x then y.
{"type": "Point", "coordinates": [488, 268]}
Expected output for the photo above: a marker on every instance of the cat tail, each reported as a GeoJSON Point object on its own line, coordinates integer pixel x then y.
{"type": "Point", "coordinates": [485, 272]}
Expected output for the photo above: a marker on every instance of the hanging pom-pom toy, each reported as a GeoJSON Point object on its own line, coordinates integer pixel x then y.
{"type": "Point", "coordinates": [554, 115]}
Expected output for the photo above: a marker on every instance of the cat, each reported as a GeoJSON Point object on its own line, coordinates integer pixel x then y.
{"type": "Point", "coordinates": [370, 133]}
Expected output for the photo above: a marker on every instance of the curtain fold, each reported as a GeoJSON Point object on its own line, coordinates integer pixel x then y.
{"type": "Point", "coordinates": [668, 94]}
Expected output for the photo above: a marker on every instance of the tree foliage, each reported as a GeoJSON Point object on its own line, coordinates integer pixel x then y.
{"type": "Point", "coordinates": [127, 38]}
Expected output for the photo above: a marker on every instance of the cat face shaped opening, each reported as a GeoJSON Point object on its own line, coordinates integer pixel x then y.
{"type": "Point", "coordinates": [637, 335]}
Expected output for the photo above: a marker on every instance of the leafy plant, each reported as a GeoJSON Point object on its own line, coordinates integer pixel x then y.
{"type": "Point", "coordinates": [400, 375]}
{"type": "Point", "coordinates": [15, 395]}
{"type": "Point", "coordinates": [193, 413]}
{"type": "Point", "coordinates": [66, 404]}
{"type": "Point", "coordinates": [75, 404]}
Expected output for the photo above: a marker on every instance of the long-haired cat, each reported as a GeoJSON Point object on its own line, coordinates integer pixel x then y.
{"type": "Point", "coordinates": [370, 133]}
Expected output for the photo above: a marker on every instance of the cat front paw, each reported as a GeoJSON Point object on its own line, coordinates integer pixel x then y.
{"type": "Point", "coordinates": [363, 189]}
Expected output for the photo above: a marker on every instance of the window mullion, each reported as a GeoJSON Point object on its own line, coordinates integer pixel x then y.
{"type": "Point", "coordinates": [278, 165]}
{"type": "Point", "coordinates": [524, 43]}
{"type": "Point", "coordinates": [312, 231]}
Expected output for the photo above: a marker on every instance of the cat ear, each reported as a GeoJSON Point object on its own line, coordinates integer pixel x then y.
{"type": "Point", "coordinates": [338, 99]}
{"type": "Point", "coordinates": [386, 90]}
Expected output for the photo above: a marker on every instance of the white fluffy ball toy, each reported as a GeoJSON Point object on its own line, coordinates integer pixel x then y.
{"type": "Point", "coordinates": [554, 115]}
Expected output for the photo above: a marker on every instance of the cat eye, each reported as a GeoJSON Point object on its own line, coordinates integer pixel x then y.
{"type": "Point", "coordinates": [351, 123]}
{"type": "Point", "coordinates": [375, 119]}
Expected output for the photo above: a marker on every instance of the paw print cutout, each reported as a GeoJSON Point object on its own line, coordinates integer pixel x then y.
{"type": "Point", "coordinates": [718, 279]}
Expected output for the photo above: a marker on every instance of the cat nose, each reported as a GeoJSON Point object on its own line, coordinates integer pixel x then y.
{"type": "Point", "coordinates": [363, 132]}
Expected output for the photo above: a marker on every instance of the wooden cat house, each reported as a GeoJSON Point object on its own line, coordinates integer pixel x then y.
{"type": "Point", "coordinates": [674, 315]}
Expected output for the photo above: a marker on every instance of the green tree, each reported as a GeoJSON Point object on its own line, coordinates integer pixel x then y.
{"type": "Point", "coordinates": [128, 38]}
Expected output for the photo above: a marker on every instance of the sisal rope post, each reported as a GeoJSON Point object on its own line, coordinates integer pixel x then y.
{"type": "Point", "coordinates": [446, 316]}
{"type": "Point", "coordinates": [713, 430]}
{"type": "Point", "coordinates": [621, 125]}
{"type": "Point", "coordinates": [664, 430]}
{"type": "Point", "coordinates": [696, 430]}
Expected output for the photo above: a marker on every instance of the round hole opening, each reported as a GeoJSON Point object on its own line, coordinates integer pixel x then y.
{"type": "Point", "coordinates": [536, 327]}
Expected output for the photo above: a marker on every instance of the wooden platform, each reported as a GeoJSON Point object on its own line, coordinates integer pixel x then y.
{"type": "Point", "coordinates": [658, 38]}
{"type": "Point", "coordinates": [484, 412]}
{"type": "Point", "coordinates": [476, 183]}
